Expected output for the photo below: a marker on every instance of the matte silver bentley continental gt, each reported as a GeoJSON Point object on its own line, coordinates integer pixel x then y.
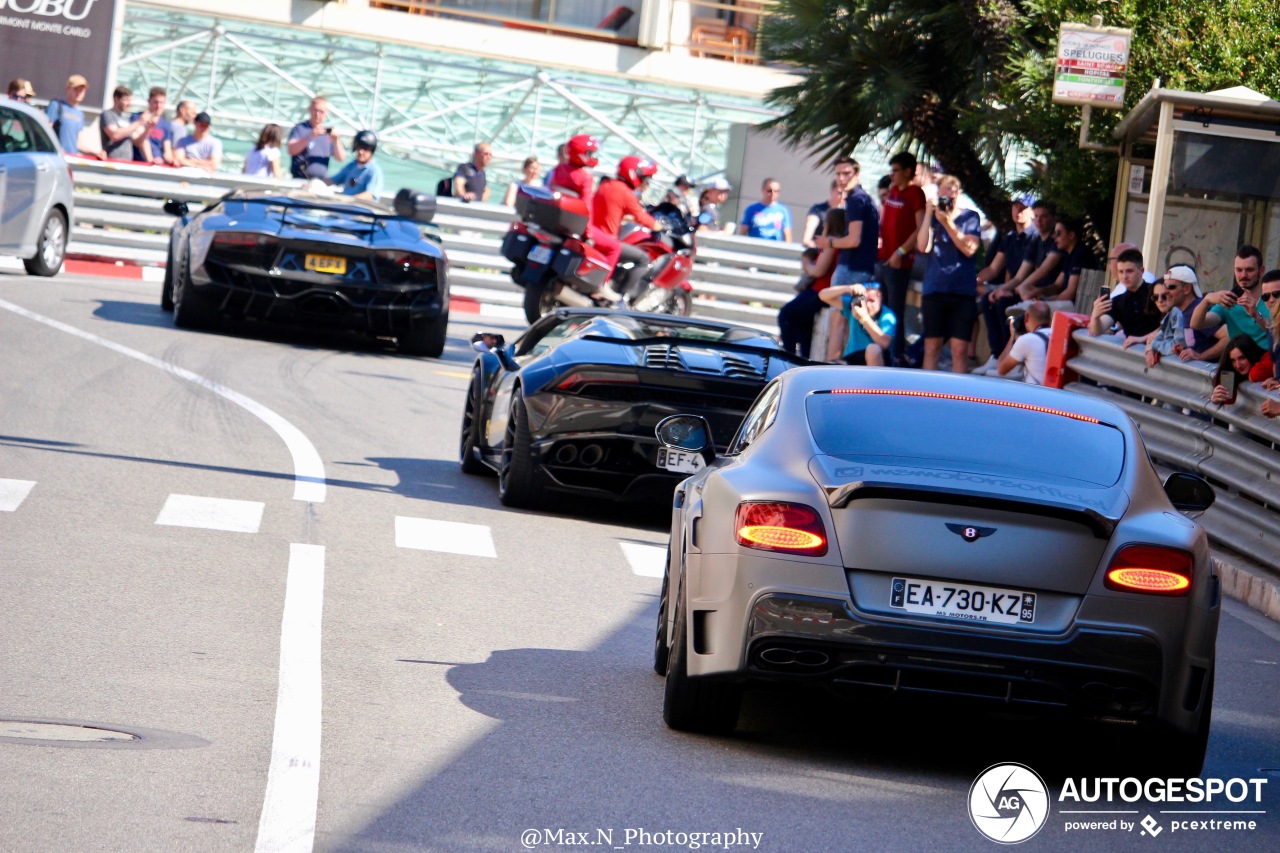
{"type": "Point", "coordinates": [924, 532]}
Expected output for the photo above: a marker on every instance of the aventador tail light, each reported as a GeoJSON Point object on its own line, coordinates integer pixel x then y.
{"type": "Point", "coordinates": [244, 247]}
{"type": "Point", "coordinates": [399, 267]}
{"type": "Point", "coordinates": [1150, 569]}
{"type": "Point", "coordinates": [784, 527]}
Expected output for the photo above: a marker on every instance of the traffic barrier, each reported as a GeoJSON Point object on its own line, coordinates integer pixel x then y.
{"type": "Point", "coordinates": [118, 217]}
{"type": "Point", "coordinates": [1234, 447]}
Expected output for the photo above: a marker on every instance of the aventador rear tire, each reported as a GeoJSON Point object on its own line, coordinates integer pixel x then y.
{"type": "Point", "coordinates": [692, 704]}
{"type": "Point", "coordinates": [192, 310]}
{"type": "Point", "coordinates": [469, 439]}
{"type": "Point", "coordinates": [427, 339]}
{"type": "Point", "coordinates": [518, 484]}
{"type": "Point", "coordinates": [166, 289]}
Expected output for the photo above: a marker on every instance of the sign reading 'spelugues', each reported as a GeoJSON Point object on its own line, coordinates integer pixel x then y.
{"type": "Point", "coordinates": [46, 41]}
{"type": "Point", "coordinates": [1091, 67]}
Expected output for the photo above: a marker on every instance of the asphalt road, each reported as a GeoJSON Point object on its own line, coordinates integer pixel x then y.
{"type": "Point", "coordinates": [157, 560]}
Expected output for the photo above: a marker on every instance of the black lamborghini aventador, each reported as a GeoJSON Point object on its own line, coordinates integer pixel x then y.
{"type": "Point", "coordinates": [311, 260]}
{"type": "Point", "coordinates": [572, 404]}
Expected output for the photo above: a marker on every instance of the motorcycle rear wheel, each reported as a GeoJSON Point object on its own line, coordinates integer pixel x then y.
{"type": "Point", "coordinates": [675, 301]}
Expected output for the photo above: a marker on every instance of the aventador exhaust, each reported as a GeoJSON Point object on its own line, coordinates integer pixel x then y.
{"type": "Point", "coordinates": [592, 455]}
{"type": "Point", "coordinates": [566, 454]}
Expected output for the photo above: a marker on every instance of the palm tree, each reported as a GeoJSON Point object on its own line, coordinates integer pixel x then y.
{"type": "Point", "coordinates": [924, 70]}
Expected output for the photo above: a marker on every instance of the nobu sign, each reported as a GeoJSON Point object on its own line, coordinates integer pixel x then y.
{"type": "Point", "coordinates": [46, 41]}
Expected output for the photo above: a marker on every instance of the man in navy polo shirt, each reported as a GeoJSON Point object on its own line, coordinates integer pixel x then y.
{"type": "Point", "coordinates": [856, 263]}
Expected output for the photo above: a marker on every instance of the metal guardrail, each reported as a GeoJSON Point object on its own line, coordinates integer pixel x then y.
{"type": "Point", "coordinates": [119, 216]}
{"type": "Point", "coordinates": [1234, 447]}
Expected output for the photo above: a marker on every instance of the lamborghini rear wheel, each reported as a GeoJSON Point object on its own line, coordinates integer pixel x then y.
{"type": "Point", "coordinates": [518, 484]}
{"type": "Point", "coordinates": [426, 339]}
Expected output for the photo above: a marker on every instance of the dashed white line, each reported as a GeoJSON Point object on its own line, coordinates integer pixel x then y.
{"type": "Point", "coordinates": [450, 537]}
{"type": "Point", "coordinates": [211, 513]}
{"type": "Point", "coordinates": [647, 561]}
{"type": "Point", "coordinates": [288, 822]}
{"type": "Point", "coordinates": [13, 493]}
{"type": "Point", "coordinates": [308, 468]}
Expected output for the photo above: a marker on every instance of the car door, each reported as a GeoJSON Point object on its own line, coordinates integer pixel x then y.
{"type": "Point", "coordinates": [17, 183]}
{"type": "Point", "coordinates": [50, 170]}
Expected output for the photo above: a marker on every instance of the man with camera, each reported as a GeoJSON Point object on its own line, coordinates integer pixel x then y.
{"type": "Point", "coordinates": [950, 236]}
{"type": "Point", "coordinates": [871, 325]}
{"type": "Point", "coordinates": [1029, 345]}
{"type": "Point", "coordinates": [312, 143]}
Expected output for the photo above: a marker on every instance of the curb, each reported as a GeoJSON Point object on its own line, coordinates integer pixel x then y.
{"type": "Point", "coordinates": [1253, 590]}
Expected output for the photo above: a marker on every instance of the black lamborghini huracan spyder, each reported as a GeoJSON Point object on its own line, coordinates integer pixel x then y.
{"type": "Point", "coordinates": [572, 404]}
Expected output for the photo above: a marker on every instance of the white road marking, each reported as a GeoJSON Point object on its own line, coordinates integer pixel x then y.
{"type": "Point", "coordinates": [13, 493]}
{"type": "Point", "coordinates": [648, 561]}
{"type": "Point", "coordinates": [308, 468]}
{"type": "Point", "coordinates": [451, 537]}
{"type": "Point", "coordinates": [288, 822]}
{"type": "Point", "coordinates": [211, 513]}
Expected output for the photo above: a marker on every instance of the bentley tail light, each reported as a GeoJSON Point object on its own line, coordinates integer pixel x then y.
{"type": "Point", "coordinates": [785, 527]}
{"type": "Point", "coordinates": [1150, 569]}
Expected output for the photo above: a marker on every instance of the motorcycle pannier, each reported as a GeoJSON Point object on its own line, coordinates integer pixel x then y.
{"type": "Point", "coordinates": [557, 212]}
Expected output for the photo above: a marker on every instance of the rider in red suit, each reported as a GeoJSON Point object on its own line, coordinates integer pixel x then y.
{"type": "Point", "coordinates": [574, 175]}
{"type": "Point", "coordinates": [615, 199]}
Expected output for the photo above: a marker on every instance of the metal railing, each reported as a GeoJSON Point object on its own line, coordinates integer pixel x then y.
{"type": "Point", "coordinates": [119, 216]}
{"type": "Point", "coordinates": [727, 29]}
{"type": "Point", "coordinates": [1235, 447]}
{"type": "Point", "coordinates": [550, 16]}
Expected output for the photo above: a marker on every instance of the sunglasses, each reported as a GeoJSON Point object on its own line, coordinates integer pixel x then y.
{"type": "Point", "coordinates": [1274, 294]}
{"type": "Point", "coordinates": [21, 97]}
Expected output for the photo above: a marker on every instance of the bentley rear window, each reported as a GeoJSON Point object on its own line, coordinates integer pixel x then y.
{"type": "Point", "coordinates": [906, 430]}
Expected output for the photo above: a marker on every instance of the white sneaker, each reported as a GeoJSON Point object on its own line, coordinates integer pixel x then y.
{"type": "Point", "coordinates": [986, 369]}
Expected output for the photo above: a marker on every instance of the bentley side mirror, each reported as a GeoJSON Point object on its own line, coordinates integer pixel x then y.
{"type": "Point", "coordinates": [420, 207]}
{"type": "Point", "coordinates": [173, 207]}
{"type": "Point", "coordinates": [1189, 492]}
{"type": "Point", "coordinates": [688, 433]}
{"type": "Point", "coordinates": [487, 342]}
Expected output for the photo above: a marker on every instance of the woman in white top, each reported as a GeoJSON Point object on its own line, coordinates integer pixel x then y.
{"type": "Point", "coordinates": [531, 168]}
{"type": "Point", "coordinates": [264, 160]}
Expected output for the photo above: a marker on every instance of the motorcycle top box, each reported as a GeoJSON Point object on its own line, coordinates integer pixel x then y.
{"type": "Point", "coordinates": [557, 212]}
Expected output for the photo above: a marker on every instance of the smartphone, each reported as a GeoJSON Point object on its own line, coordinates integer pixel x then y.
{"type": "Point", "coordinates": [1227, 379]}
{"type": "Point", "coordinates": [1237, 291]}
{"type": "Point", "coordinates": [1104, 292]}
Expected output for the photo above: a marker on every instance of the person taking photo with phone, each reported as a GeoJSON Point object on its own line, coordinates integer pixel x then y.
{"type": "Point", "coordinates": [1240, 309]}
{"type": "Point", "coordinates": [1240, 363]}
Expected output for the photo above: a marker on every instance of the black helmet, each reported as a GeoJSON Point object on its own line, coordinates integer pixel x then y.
{"type": "Point", "coordinates": [365, 139]}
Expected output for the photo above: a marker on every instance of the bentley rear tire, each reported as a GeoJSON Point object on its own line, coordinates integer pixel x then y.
{"type": "Point", "coordinates": [693, 704]}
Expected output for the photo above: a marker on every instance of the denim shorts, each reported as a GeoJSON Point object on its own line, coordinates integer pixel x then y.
{"type": "Point", "coordinates": [845, 275]}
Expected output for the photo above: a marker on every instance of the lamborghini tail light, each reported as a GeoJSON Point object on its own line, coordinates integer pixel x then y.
{"type": "Point", "coordinates": [576, 381]}
{"type": "Point", "coordinates": [1150, 569]}
{"type": "Point", "coordinates": [399, 267]}
{"type": "Point", "coordinates": [784, 527]}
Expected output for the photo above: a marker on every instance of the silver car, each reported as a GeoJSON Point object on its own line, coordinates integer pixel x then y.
{"type": "Point", "coordinates": [35, 190]}
{"type": "Point", "coordinates": [905, 531]}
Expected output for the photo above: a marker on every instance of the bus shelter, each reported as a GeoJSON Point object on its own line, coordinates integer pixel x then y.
{"type": "Point", "coordinates": [1212, 184]}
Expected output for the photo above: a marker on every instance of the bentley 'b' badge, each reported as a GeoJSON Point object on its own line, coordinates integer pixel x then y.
{"type": "Point", "coordinates": [969, 532]}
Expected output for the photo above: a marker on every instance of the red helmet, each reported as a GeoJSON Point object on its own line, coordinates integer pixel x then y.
{"type": "Point", "coordinates": [582, 150]}
{"type": "Point", "coordinates": [634, 170]}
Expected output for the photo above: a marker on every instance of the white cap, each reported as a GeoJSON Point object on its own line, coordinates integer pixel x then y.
{"type": "Point", "coordinates": [717, 184]}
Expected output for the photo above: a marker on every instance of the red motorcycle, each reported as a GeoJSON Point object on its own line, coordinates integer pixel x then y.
{"type": "Point", "coordinates": [556, 264]}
